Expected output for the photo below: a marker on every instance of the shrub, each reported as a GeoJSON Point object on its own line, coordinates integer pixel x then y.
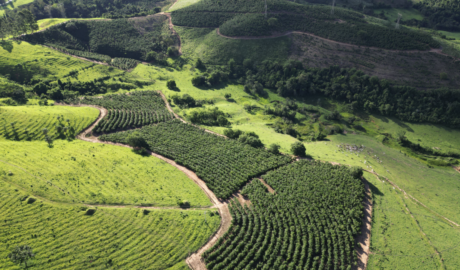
{"type": "Point", "coordinates": [227, 96]}
{"type": "Point", "coordinates": [298, 149]}
{"type": "Point", "coordinates": [90, 212]}
{"type": "Point", "coordinates": [233, 134]}
{"type": "Point", "coordinates": [274, 148]}
{"type": "Point", "coordinates": [171, 84]}
{"type": "Point", "coordinates": [251, 140]}
{"type": "Point", "coordinates": [356, 172]}
{"type": "Point", "coordinates": [198, 81]}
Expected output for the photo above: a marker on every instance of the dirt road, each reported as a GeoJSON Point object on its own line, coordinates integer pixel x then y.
{"type": "Point", "coordinates": [364, 239]}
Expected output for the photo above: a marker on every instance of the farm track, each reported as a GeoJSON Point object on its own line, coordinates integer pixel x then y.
{"type": "Point", "coordinates": [364, 238]}
{"type": "Point", "coordinates": [194, 260]}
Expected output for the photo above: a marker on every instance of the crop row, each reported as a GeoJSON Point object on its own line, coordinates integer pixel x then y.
{"type": "Point", "coordinates": [225, 165]}
{"type": "Point", "coordinates": [127, 111]}
{"type": "Point", "coordinates": [309, 224]}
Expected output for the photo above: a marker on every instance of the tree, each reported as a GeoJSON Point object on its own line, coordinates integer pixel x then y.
{"type": "Point", "coordinates": [356, 172]}
{"type": "Point", "coordinates": [151, 56]}
{"type": "Point", "coordinates": [401, 136]}
{"type": "Point", "coordinates": [171, 84]}
{"type": "Point", "coordinates": [136, 140]}
{"type": "Point", "coordinates": [253, 141]}
{"type": "Point", "coordinates": [298, 149]}
{"type": "Point", "coordinates": [227, 96]}
{"type": "Point", "coordinates": [233, 133]}
{"type": "Point", "coordinates": [21, 254]}
{"type": "Point", "coordinates": [199, 64]}
{"type": "Point", "coordinates": [45, 131]}
{"type": "Point", "coordinates": [274, 148]}
{"type": "Point", "coordinates": [198, 81]}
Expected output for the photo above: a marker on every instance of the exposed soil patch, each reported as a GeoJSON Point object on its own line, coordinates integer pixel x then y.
{"type": "Point", "coordinates": [364, 238]}
{"type": "Point", "coordinates": [270, 189]}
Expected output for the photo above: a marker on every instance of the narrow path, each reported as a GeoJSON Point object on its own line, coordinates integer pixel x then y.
{"type": "Point", "coordinates": [171, 27]}
{"type": "Point", "coordinates": [364, 238]}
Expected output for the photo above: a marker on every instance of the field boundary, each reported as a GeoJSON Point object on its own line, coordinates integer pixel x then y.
{"type": "Point", "coordinates": [364, 238]}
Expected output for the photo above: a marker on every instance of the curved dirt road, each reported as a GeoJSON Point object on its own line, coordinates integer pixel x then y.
{"type": "Point", "coordinates": [364, 238]}
{"type": "Point", "coordinates": [194, 260]}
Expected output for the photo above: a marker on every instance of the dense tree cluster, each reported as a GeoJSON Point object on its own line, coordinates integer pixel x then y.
{"type": "Point", "coordinates": [310, 222]}
{"type": "Point", "coordinates": [122, 38]}
{"type": "Point", "coordinates": [442, 15]}
{"type": "Point", "coordinates": [127, 111]}
{"type": "Point", "coordinates": [209, 117]}
{"type": "Point", "coordinates": [93, 8]}
{"type": "Point", "coordinates": [355, 88]}
{"type": "Point", "coordinates": [15, 24]}
{"type": "Point", "coordinates": [225, 165]}
{"type": "Point", "coordinates": [250, 138]}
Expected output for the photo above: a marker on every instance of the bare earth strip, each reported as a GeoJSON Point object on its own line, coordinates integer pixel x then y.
{"type": "Point", "coordinates": [364, 239]}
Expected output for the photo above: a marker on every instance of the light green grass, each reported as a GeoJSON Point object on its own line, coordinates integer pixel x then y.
{"type": "Point", "coordinates": [14, 5]}
{"type": "Point", "coordinates": [47, 23]}
{"type": "Point", "coordinates": [396, 240]}
{"type": "Point", "coordinates": [29, 102]}
{"type": "Point", "coordinates": [29, 121]}
{"type": "Point", "coordinates": [63, 237]}
{"type": "Point", "coordinates": [80, 171]}
{"type": "Point", "coordinates": [407, 14]}
{"type": "Point", "coordinates": [204, 43]}
{"type": "Point", "coordinates": [182, 3]}
{"type": "Point", "coordinates": [35, 61]}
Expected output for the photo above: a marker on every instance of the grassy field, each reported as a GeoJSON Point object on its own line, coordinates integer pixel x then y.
{"type": "Point", "coordinates": [23, 61]}
{"type": "Point", "coordinates": [46, 23]}
{"type": "Point", "coordinates": [407, 14]}
{"type": "Point", "coordinates": [65, 237]}
{"type": "Point", "coordinates": [28, 122]}
{"type": "Point", "coordinates": [182, 3]}
{"type": "Point", "coordinates": [204, 43]}
{"type": "Point", "coordinates": [13, 5]}
{"type": "Point", "coordinates": [79, 171]}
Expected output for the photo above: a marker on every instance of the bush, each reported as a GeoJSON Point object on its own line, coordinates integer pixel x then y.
{"type": "Point", "coordinates": [298, 149]}
{"type": "Point", "coordinates": [198, 81]}
{"type": "Point", "coordinates": [228, 96]}
{"type": "Point", "coordinates": [356, 172]}
{"type": "Point", "coordinates": [171, 84]}
{"type": "Point", "coordinates": [249, 138]}
{"type": "Point", "coordinates": [274, 148]}
{"type": "Point", "coordinates": [135, 140]}
{"type": "Point", "coordinates": [233, 134]}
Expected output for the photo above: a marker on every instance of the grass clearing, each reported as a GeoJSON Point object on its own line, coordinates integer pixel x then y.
{"type": "Point", "coordinates": [182, 3]}
{"type": "Point", "coordinates": [47, 23]}
{"type": "Point", "coordinates": [79, 171]}
{"type": "Point", "coordinates": [64, 237]}
{"type": "Point", "coordinates": [14, 4]}
{"type": "Point", "coordinates": [28, 122]}
{"type": "Point", "coordinates": [204, 43]}
{"type": "Point", "coordinates": [23, 61]}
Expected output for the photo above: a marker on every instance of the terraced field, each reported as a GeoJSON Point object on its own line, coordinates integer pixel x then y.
{"type": "Point", "coordinates": [68, 237]}
{"type": "Point", "coordinates": [79, 171]}
{"type": "Point", "coordinates": [28, 122]}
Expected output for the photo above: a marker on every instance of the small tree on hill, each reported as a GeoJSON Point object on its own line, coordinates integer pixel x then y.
{"type": "Point", "coordinates": [21, 254]}
{"type": "Point", "coordinates": [171, 84]}
{"type": "Point", "coordinates": [274, 148]}
{"type": "Point", "coordinates": [298, 149]}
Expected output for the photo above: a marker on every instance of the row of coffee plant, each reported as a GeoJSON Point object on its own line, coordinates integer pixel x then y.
{"type": "Point", "coordinates": [127, 111]}
{"type": "Point", "coordinates": [309, 223]}
{"type": "Point", "coordinates": [225, 165]}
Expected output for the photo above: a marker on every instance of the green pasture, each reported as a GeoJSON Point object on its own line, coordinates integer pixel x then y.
{"type": "Point", "coordinates": [181, 4]}
{"type": "Point", "coordinates": [67, 237]}
{"type": "Point", "coordinates": [24, 61]}
{"type": "Point", "coordinates": [28, 122]}
{"type": "Point", "coordinates": [90, 173]}
{"type": "Point", "coordinates": [204, 43]}
{"type": "Point", "coordinates": [47, 23]}
{"type": "Point", "coordinates": [13, 5]}
{"type": "Point", "coordinates": [402, 235]}
{"type": "Point", "coordinates": [29, 102]}
{"type": "Point", "coordinates": [407, 14]}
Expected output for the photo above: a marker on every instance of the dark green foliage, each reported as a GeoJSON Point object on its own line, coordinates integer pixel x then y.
{"type": "Point", "coordinates": [247, 19]}
{"type": "Point", "coordinates": [274, 148]}
{"type": "Point", "coordinates": [209, 117]}
{"type": "Point", "coordinates": [17, 23]}
{"type": "Point", "coordinates": [12, 90]}
{"type": "Point", "coordinates": [359, 90]}
{"type": "Point", "coordinates": [94, 8]}
{"type": "Point", "coordinates": [136, 140]}
{"type": "Point", "coordinates": [198, 81]}
{"type": "Point", "coordinates": [21, 254]}
{"type": "Point", "coordinates": [171, 84]}
{"type": "Point", "coordinates": [127, 111]}
{"type": "Point", "coordinates": [251, 139]}
{"type": "Point", "coordinates": [441, 15]}
{"type": "Point", "coordinates": [298, 149]}
{"type": "Point", "coordinates": [233, 133]}
{"type": "Point", "coordinates": [187, 101]}
{"type": "Point", "coordinates": [134, 38]}
{"type": "Point", "coordinates": [309, 224]}
{"type": "Point", "coordinates": [225, 165]}
{"type": "Point", "coordinates": [356, 172]}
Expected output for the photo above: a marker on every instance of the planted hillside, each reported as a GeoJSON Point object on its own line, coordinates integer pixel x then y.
{"type": "Point", "coordinates": [441, 15]}
{"type": "Point", "coordinates": [225, 165]}
{"type": "Point", "coordinates": [247, 19]}
{"type": "Point", "coordinates": [358, 90]}
{"type": "Point", "coordinates": [39, 122]}
{"type": "Point", "coordinates": [77, 237]}
{"type": "Point", "coordinates": [94, 8]}
{"type": "Point", "coordinates": [127, 111]}
{"type": "Point", "coordinates": [122, 38]}
{"type": "Point", "coordinates": [310, 222]}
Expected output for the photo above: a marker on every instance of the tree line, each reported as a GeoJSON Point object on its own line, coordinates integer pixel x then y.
{"type": "Point", "coordinates": [16, 24]}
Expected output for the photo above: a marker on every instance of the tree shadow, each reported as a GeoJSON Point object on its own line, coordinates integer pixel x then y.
{"type": "Point", "coordinates": [402, 124]}
{"type": "Point", "coordinates": [7, 45]}
{"type": "Point", "coordinates": [374, 189]}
